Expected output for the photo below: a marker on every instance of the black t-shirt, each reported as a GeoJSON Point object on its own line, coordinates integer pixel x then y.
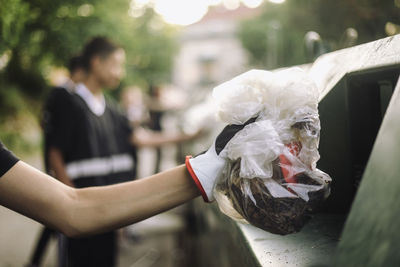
{"type": "Point", "coordinates": [57, 103]}
{"type": "Point", "coordinates": [96, 149]}
{"type": "Point", "coordinates": [7, 159]}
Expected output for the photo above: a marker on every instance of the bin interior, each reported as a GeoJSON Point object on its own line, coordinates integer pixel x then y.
{"type": "Point", "coordinates": [351, 115]}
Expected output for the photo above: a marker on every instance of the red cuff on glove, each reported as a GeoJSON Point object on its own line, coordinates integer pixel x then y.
{"type": "Point", "coordinates": [195, 179]}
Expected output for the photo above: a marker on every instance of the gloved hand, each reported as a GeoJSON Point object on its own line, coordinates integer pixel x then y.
{"type": "Point", "coordinates": [207, 167]}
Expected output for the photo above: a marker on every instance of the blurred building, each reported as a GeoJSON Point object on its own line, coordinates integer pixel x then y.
{"type": "Point", "coordinates": [210, 51]}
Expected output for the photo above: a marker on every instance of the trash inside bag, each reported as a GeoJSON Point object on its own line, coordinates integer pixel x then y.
{"type": "Point", "coordinates": [271, 180]}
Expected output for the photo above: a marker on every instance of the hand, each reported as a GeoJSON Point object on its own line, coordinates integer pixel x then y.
{"type": "Point", "coordinates": [206, 168]}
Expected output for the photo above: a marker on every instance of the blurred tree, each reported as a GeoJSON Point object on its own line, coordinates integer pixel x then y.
{"type": "Point", "coordinates": [271, 39]}
{"type": "Point", "coordinates": [276, 37]}
{"type": "Point", "coordinates": [38, 35]}
{"type": "Point", "coordinates": [152, 50]}
{"type": "Point", "coordinates": [14, 14]}
{"type": "Point", "coordinates": [44, 33]}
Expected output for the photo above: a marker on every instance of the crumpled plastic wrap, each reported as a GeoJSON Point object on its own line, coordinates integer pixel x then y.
{"type": "Point", "coordinates": [271, 179]}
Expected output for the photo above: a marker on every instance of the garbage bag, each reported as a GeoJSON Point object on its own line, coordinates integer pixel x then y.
{"type": "Point", "coordinates": [271, 179]}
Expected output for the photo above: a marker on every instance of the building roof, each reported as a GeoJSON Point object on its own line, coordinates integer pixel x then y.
{"type": "Point", "coordinates": [221, 13]}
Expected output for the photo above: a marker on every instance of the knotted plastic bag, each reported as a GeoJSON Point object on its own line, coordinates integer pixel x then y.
{"type": "Point", "coordinates": [271, 179]}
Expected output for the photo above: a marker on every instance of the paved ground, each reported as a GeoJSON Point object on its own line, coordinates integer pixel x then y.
{"type": "Point", "coordinates": [157, 245]}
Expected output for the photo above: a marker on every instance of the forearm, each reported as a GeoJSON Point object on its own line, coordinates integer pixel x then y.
{"type": "Point", "coordinates": [90, 210]}
{"type": "Point", "coordinates": [147, 138]}
{"type": "Point", "coordinates": [34, 194]}
{"type": "Point", "coordinates": [105, 208]}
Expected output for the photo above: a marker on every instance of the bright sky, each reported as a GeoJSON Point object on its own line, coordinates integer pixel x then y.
{"type": "Point", "coordinates": [185, 12]}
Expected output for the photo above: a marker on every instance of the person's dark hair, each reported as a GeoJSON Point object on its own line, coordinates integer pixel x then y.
{"type": "Point", "coordinates": [98, 46]}
{"type": "Point", "coordinates": [75, 63]}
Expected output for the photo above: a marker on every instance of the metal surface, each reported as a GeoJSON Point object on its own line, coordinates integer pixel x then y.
{"type": "Point", "coordinates": [314, 245]}
{"type": "Point", "coordinates": [351, 115]}
{"type": "Point", "coordinates": [371, 236]}
{"type": "Point", "coordinates": [330, 68]}
{"type": "Point", "coordinates": [355, 84]}
{"type": "Point", "coordinates": [221, 242]}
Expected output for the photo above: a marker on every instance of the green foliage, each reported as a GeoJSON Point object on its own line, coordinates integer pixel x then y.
{"type": "Point", "coordinates": [276, 37]}
{"type": "Point", "coordinates": [273, 38]}
{"type": "Point", "coordinates": [253, 35]}
{"type": "Point", "coordinates": [10, 100]}
{"type": "Point", "coordinates": [19, 130]}
{"type": "Point", "coordinates": [151, 51]}
{"type": "Point", "coordinates": [13, 16]}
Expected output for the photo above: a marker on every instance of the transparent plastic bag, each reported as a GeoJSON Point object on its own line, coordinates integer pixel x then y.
{"type": "Point", "coordinates": [271, 180]}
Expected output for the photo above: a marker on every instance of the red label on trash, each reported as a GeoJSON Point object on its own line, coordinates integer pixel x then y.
{"type": "Point", "coordinates": [294, 149]}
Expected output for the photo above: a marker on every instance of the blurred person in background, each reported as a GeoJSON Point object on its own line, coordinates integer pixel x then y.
{"type": "Point", "coordinates": [57, 102]}
{"type": "Point", "coordinates": [133, 102]}
{"type": "Point", "coordinates": [96, 142]}
{"type": "Point", "coordinates": [156, 112]}
{"type": "Point", "coordinates": [163, 101]}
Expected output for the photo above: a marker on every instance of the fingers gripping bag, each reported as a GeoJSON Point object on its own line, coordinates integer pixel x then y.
{"type": "Point", "coordinates": [271, 180]}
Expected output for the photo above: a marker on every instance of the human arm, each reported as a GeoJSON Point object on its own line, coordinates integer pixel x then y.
{"type": "Point", "coordinates": [56, 163]}
{"type": "Point", "coordinates": [146, 138]}
{"type": "Point", "coordinates": [75, 212]}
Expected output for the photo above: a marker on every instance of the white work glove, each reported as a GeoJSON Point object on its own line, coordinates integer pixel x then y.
{"type": "Point", "coordinates": [206, 168]}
